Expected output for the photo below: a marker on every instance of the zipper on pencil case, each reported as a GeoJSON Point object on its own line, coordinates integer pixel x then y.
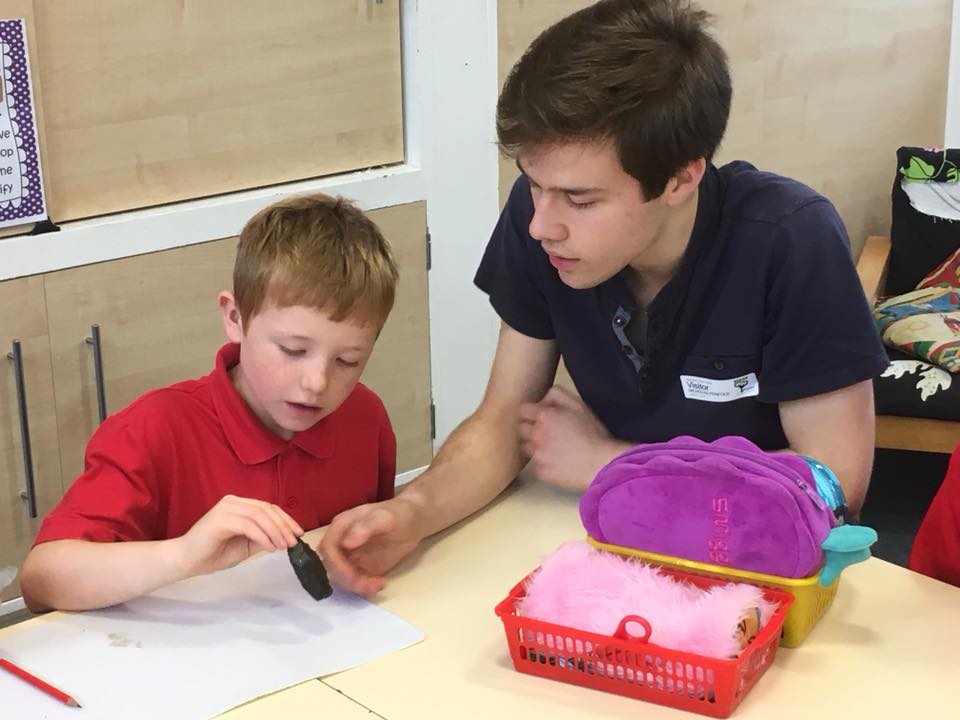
{"type": "Point", "coordinates": [763, 461]}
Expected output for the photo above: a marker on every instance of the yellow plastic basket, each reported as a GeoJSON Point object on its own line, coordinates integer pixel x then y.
{"type": "Point", "coordinates": [810, 599]}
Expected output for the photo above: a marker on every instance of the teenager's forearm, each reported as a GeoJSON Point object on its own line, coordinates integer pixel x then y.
{"type": "Point", "coordinates": [853, 472]}
{"type": "Point", "coordinates": [837, 428]}
{"type": "Point", "coordinates": [82, 575]}
{"type": "Point", "coordinates": [479, 459]}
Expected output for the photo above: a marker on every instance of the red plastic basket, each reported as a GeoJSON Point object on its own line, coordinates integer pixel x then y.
{"type": "Point", "coordinates": [632, 666]}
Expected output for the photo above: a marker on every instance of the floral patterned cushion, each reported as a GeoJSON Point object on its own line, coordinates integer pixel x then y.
{"type": "Point", "coordinates": [924, 323]}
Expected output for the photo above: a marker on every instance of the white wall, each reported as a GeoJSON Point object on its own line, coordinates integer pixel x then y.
{"type": "Point", "coordinates": [460, 165]}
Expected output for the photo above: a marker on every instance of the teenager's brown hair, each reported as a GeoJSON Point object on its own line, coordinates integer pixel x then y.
{"type": "Point", "coordinates": [644, 74]}
{"type": "Point", "coordinates": [318, 251]}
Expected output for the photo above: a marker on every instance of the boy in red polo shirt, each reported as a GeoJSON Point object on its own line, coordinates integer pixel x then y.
{"type": "Point", "coordinates": [278, 439]}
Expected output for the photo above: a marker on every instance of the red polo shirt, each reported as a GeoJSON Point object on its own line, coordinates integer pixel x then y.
{"type": "Point", "coordinates": [157, 466]}
{"type": "Point", "coordinates": [936, 547]}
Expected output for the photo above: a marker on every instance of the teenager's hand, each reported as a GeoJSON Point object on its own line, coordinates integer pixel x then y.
{"type": "Point", "coordinates": [565, 441]}
{"type": "Point", "coordinates": [233, 530]}
{"type": "Point", "coordinates": [363, 543]}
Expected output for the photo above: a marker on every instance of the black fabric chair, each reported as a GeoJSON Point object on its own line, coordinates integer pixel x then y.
{"type": "Point", "coordinates": [914, 410]}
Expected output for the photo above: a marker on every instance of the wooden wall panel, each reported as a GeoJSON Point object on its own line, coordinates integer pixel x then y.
{"type": "Point", "coordinates": [153, 101]}
{"type": "Point", "coordinates": [825, 91]}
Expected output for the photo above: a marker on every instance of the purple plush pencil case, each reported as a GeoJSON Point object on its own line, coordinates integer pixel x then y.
{"type": "Point", "coordinates": [725, 503]}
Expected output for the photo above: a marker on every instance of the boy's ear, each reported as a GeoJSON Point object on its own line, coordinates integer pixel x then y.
{"type": "Point", "coordinates": [232, 322]}
{"type": "Point", "coordinates": [682, 185]}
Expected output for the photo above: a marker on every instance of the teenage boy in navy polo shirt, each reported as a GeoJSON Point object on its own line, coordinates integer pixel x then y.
{"type": "Point", "coordinates": [278, 439]}
{"type": "Point", "coordinates": [682, 297]}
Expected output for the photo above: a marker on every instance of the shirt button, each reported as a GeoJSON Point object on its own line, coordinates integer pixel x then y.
{"type": "Point", "coordinates": [292, 502]}
{"type": "Point", "coordinates": [719, 364]}
{"type": "Point", "coordinates": [627, 350]}
{"type": "Point", "coordinates": [619, 321]}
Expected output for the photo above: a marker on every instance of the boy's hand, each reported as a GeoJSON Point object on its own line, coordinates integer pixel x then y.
{"type": "Point", "coordinates": [363, 543]}
{"type": "Point", "coordinates": [565, 441]}
{"type": "Point", "coordinates": [233, 530]}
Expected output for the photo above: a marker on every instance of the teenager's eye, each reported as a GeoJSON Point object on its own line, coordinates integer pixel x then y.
{"type": "Point", "coordinates": [292, 352]}
{"type": "Point", "coordinates": [346, 363]}
{"type": "Point", "coordinates": [580, 205]}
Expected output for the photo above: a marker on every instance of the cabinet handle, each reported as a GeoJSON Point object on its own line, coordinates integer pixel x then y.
{"type": "Point", "coordinates": [30, 495]}
{"type": "Point", "coordinates": [94, 341]}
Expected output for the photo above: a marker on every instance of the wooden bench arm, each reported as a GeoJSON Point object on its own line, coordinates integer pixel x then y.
{"type": "Point", "coordinates": [872, 266]}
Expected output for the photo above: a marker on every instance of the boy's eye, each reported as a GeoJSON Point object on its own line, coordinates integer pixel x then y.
{"type": "Point", "coordinates": [347, 363]}
{"type": "Point", "coordinates": [293, 352]}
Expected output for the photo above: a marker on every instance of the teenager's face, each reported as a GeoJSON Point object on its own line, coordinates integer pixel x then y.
{"type": "Point", "coordinates": [590, 216]}
{"type": "Point", "coordinates": [296, 364]}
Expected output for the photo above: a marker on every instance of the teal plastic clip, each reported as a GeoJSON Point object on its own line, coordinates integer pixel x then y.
{"type": "Point", "coordinates": [846, 544]}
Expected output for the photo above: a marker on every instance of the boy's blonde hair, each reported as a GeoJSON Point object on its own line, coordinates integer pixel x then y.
{"type": "Point", "coordinates": [318, 251]}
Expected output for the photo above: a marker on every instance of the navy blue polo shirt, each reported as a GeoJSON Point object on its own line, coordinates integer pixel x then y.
{"type": "Point", "coordinates": [766, 306]}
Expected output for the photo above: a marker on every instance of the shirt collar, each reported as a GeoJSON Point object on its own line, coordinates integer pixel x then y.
{"type": "Point", "coordinates": [251, 440]}
{"type": "Point", "coordinates": [673, 313]}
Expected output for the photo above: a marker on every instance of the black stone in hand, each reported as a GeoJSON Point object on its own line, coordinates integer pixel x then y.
{"type": "Point", "coordinates": [310, 571]}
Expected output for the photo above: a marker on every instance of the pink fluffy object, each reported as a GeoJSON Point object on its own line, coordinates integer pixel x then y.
{"type": "Point", "coordinates": [584, 588]}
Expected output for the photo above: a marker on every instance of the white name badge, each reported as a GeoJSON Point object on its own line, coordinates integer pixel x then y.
{"type": "Point", "coordinates": [710, 390]}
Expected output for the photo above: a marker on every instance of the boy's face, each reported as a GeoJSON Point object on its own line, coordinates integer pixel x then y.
{"type": "Point", "coordinates": [296, 364]}
{"type": "Point", "coordinates": [590, 216]}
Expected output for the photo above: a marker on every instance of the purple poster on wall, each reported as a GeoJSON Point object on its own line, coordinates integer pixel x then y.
{"type": "Point", "coordinates": [21, 186]}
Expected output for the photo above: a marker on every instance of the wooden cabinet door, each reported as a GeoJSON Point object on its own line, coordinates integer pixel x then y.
{"type": "Point", "coordinates": [23, 318]}
{"type": "Point", "coordinates": [159, 324]}
{"type": "Point", "coordinates": [153, 101]}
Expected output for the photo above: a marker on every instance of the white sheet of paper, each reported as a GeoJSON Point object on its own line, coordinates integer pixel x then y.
{"type": "Point", "coordinates": [195, 649]}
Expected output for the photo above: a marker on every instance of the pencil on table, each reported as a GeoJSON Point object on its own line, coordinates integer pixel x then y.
{"type": "Point", "coordinates": [38, 683]}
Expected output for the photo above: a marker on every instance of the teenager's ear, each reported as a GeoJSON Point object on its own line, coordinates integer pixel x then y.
{"type": "Point", "coordinates": [232, 322]}
{"type": "Point", "coordinates": [685, 182]}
